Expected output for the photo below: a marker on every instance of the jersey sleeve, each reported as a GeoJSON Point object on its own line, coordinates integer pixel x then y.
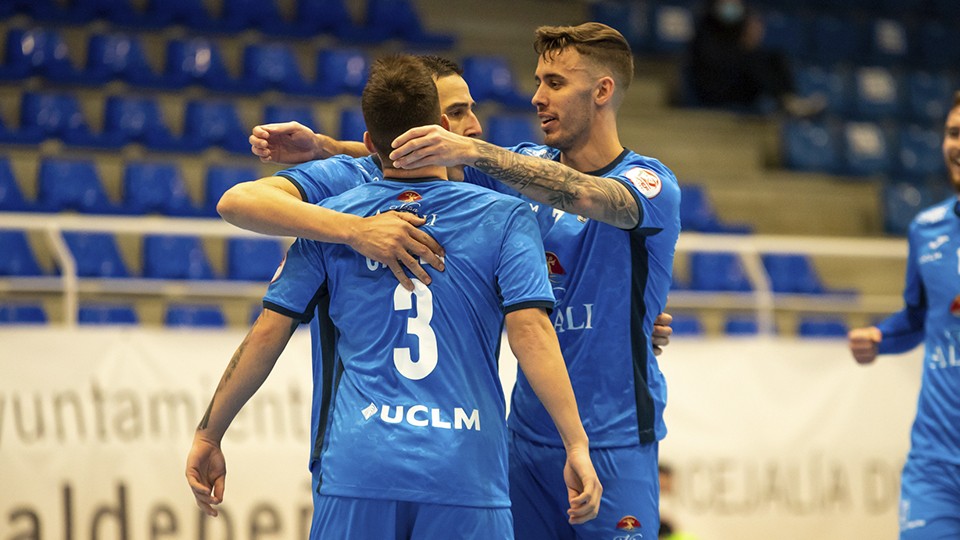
{"type": "Point", "coordinates": [904, 329]}
{"type": "Point", "coordinates": [297, 286]}
{"type": "Point", "coordinates": [320, 179]}
{"type": "Point", "coordinates": [657, 194]}
{"type": "Point", "coordinates": [521, 270]}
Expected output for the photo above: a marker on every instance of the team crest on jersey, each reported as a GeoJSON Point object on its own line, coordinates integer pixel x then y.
{"type": "Point", "coordinates": [553, 264]}
{"type": "Point", "coordinates": [628, 523]}
{"type": "Point", "coordinates": [645, 180]}
{"type": "Point", "coordinates": [409, 196]}
{"type": "Point", "coordinates": [276, 275]}
{"type": "Point", "coordinates": [955, 306]}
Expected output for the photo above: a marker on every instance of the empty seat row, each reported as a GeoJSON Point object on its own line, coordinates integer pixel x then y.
{"type": "Point", "coordinates": [861, 148]}
{"type": "Point", "coordinates": [163, 257]}
{"type": "Point", "coordinates": [740, 325]}
{"type": "Point", "coordinates": [175, 315]}
{"type": "Point", "coordinates": [383, 19]}
{"type": "Point", "coordinates": [724, 272]}
{"type": "Point", "coordinates": [149, 187]}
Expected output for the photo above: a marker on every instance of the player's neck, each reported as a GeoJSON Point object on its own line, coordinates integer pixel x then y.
{"type": "Point", "coordinates": [595, 152]}
{"type": "Point", "coordinates": [389, 173]}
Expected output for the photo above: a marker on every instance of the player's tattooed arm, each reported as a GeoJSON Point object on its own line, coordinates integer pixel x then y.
{"type": "Point", "coordinates": [560, 186]}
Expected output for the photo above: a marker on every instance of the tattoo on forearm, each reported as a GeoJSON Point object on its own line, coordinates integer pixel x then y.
{"type": "Point", "coordinates": [559, 186]}
{"type": "Point", "coordinates": [227, 374]}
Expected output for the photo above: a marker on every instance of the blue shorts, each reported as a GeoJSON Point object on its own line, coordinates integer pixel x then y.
{"type": "Point", "coordinates": [336, 518]}
{"type": "Point", "coordinates": [929, 500]}
{"type": "Point", "coordinates": [629, 509]}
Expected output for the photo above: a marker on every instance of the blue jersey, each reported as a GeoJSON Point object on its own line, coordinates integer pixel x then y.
{"type": "Point", "coordinates": [932, 315]}
{"type": "Point", "coordinates": [316, 181]}
{"type": "Point", "coordinates": [416, 411]}
{"type": "Point", "coordinates": [610, 286]}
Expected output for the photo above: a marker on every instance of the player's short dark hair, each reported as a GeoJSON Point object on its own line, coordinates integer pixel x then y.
{"type": "Point", "coordinates": [399, 95]}
{"type": "Point", "coordinates": [598, 42]}
{"type": "Point", "coordinates": [439, 66]}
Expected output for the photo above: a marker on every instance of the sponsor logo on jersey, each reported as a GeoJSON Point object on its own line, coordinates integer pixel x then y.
{"type": "Point", "coordinates": [553, 264]}
{"type": "Point", "coordinates": [932, 215]}
{"type": "Point", "coordinates": [628, 523]}
{"type": "Point", "coordinates": [645, 180]}
{"type": "Point", "coordinates": [941, 240]}
{"type": "Point", "coordinates": [955, 306]}
{"type": "Point", "coordinates": [409, 196]}
{"type": "Point", "coordinates": [423, 416]}
{"type": "Point", "coordinates": [930, 257]}
{"type": "Point", "coordinates": [276, 275]}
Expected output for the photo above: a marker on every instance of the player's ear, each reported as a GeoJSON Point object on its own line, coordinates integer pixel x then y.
{"type": "Point", "coordinates": [368, 142]}
{"type": "Point", "coordinates": [444, 122]}
{"type": "Point", "coordinates": [604, 90]}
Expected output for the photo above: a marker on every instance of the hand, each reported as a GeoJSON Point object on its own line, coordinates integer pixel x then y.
{"type": "Point", "coordinates": [583, 487]}
{"type": "Point", "coordinates": [206, 473]}
{"type": "Point", "coordinates": [287, 143]}
{"type": "Point", "coordinates": [864, 343]}
{"type": "Point", "coordinates": [392, 238]}
{"type": "Point", "coordinates": [661, 332]}
{"type": "Point", "coordinates": [432, 145]}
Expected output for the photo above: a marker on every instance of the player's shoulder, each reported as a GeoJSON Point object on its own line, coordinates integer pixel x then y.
{"type": "Point", "coordinates": [341, 164]}
{"type": "Point", "coordinates": [648, 175]}
{"type": "Point", "coordinates": [936, 214]}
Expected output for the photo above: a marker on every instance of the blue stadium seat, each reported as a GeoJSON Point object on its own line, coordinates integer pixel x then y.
{"type": "Point", "coordinates": [785, 33]}
{"type": "Point", "coordinates": [118, 12]}
{"type": "Point", "coordinates": [672, 28]}
{"type": "Point", "coordinates": [490, 78]}
{"type": "Point", "coordinates": [889, 42]}
{"type": "Point", "coordinates": [352, 124]}
{"type": "Point", "coordinates": [22, 314]}
{"type": "Point", "coordinates": [206, 316]}
{"type": "Point", "coordinates": [71, 184]}
{"type": "Point", "coordinates": [919, 152]}
{"type": "Point", "coordinates": [140, 120]}
{"type": "Point", "coordinates": [834, 84]}
{"type": "Point", "coordinates": [190, 13]}
{"type": "Point", "coordinates": [876, 95]}
{"type": "Point", "coordinates": [37, 51]}
{"type": "Point", "coordinates": [197, 61]}
{"type": "Point", "coordinates": [928, 96]}
{"type": "Point", "coordinates": [822, 328]}
{"type": "Point", "coordinates": [175, 257]}
{"type": "Point", "coordinates": [11, 196]}
{"type": "Point", "coordinates": [253, 259]}
{"type": "Point", "coordinates": [697, 213]}
{"type": "Point", "coordinates": [341, 71]}
{"type": "Point", "coordinates": [741, 326]}
{"type": "Point", "coordinates": [835, 40]}
{"type": "Point", "coordinates": [792, 274]}
{"type": "Point", "coordinates": [155, 187]}
{"type": "Point", "coordinates": [96, 255]}
{"type": "Point", "coordinates": [23, 135]}
{"type": "Point", "coordinates": [686, 325]}
{"type": "Point", "coordinates": [511, 129]}
{"type": "Point", "coordinates": [59, 116]}
{"type": "Point", "coordinates": [107, 314]}
{"type": "Point", "coordinates": [632, 19]}
{"type": "Point", "coordinates": [119, 56]}
{"type": "Point", "coordinates": [809, 146]}
{"type": "Point", "coordinates": [274, 113]}
{"type": "Point", "coordinates": [866, 150]}
{"type": "Point", "coordinates": [336, 19]}
{"type": "Point", "coordinates": [238, 15]}
{"type": "Point", "coordinates": [215, 123]}
{"type": "Point", "coordinates": [219, 179]}
{"type": "Point", "coordinates": [901, 203]}
{"type": "Point", "coordinates": [272, 67]}
{"type": "Point", "coordinates": [718, 272]}
{"type": "Point", "coordinates": [388, 19]}
{"type": "Point", "coordinates": [18, 258]}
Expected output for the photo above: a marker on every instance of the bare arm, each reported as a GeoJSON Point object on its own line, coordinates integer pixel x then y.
{"type": "Point", "coordinates": [272, 206]}
{"type": "Point", "coordinates": [535, 345]}
{"type": "Point", "coordinates": [249, 367]}
{"type": "Point", "coordinates": [549, 182]}
{"type": "Point", "coordinates": [293, 143]}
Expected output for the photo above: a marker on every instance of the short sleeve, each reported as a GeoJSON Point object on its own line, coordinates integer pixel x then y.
{"type": "Point", "coordinates": [522, 267]}
{"type": "Point", "coordinates": [320, 179]}
{"type": "Point", "coordinates": [299, 280]}
{"type": "Point", "coordinates": [657, 193]}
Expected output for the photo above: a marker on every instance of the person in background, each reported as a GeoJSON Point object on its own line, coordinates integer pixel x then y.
{"type": "Point", "coordinates": [930, 482]}
{"type": "Point", "coordinates": [728, 67]}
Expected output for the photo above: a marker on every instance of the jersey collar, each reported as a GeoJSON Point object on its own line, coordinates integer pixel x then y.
{"type": "Point", "coordinates": [610, 166]}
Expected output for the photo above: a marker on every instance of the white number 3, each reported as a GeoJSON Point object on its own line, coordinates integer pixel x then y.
{"type": "Point", "coordinates": [418, 326]}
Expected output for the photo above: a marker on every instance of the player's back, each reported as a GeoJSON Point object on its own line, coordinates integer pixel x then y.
{"type": "Point", "coordinates": [419, 384]}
